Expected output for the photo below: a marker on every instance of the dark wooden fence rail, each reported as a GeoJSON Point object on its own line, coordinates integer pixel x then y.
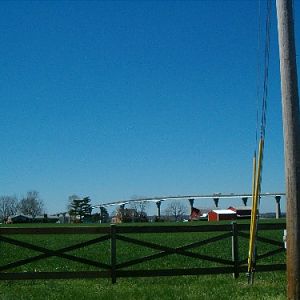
{"type": "Point", "coordinates": [115, 269]}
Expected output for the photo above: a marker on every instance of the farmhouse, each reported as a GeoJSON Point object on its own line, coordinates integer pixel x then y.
{"type": "Point", "coordinates": [45, 219]}
{"type": "Point", "coordinates": [221, 214]}
{"type": "Point", "coordinates": [243, 212]}
{"type": "Point", "coordinates": [19, 219]}
{"type": "Point", "coordinates": [125, 215]}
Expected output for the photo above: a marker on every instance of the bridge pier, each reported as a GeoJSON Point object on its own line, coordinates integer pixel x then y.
{"type": "Point", "coordinates": [216, 201]}
{"type": "Point", "coordinates": [158, 204]}
{"type": "Point", "coordinates": [122, 208]}
{"type": "Point", "coordinates": [101, 213]}
{"type": "Point", "coordinates": [245, 199]}
{"type": "Point", "coordinates": [191, 200]}
{"type": "Point", "coordinates": [278, 210]}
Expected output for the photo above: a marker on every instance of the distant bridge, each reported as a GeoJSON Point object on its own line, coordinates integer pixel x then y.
{"type": "Point", "coordinates": [191, 198]}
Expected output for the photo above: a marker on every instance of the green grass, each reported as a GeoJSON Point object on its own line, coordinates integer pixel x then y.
{"type": "Point", "coordinates": [271, 285]}
{"type": "Point", "coordinates": [268, 286]}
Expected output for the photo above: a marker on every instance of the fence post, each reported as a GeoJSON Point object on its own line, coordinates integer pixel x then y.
{"type": "Point", "coordinates": [113, 253]}
{"type": "Point", "coordinates": [235, 249]}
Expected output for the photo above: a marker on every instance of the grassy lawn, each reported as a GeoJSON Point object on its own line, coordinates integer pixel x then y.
{"type": "Point", "coordinates": [269, 285]}
{"type": "Point", "coordinates": [266, 286]}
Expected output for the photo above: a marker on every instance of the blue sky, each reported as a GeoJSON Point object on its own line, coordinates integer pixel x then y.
{"type": "Point", "coordinates": [114, 99]}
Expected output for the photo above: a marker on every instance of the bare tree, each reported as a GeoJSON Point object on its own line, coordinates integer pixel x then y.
{"type": "Point", "coordinates": [140, 207]}
{"type": "Point", "coordinates": [176, 210]}
{"type": "Point", "coordinates": [31, 204]}
{"type": "Point", "coordinates": [8, 206]}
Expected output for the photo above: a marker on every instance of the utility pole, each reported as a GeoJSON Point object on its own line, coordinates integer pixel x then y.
{"type": "Point", "coordinates": [291, 126]}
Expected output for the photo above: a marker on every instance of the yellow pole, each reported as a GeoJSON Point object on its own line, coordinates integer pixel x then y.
{"type": "Point", "coordinates": [253, 188]}
{"type": "Point", "coordinates": [253, 215]}
{"type": "Point", "coordinates": [255, 200]}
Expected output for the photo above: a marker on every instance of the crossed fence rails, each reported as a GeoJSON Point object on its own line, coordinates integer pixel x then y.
{"type": "Point", "coordinates": [114, 233]}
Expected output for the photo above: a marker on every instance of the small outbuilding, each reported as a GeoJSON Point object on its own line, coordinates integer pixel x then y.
{"type": "Point", "coordinates": [243, 212]}
{"type": "Point", "coordinates": [19, 219]}
{"type": "Point", "coordinates": [221, 214]}
{"type": "Point", "coordinates": [195, 214]}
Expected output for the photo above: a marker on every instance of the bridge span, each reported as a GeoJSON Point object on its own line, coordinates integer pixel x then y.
{"type": "Point", "coordinates": [191, 198]}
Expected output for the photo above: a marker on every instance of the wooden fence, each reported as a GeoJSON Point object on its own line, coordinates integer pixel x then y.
{"type": "Point", "coordinates": [113, 270]}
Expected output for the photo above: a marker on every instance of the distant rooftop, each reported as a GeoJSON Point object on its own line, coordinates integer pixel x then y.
{"type": "Point", "coordinates": [224, 211]}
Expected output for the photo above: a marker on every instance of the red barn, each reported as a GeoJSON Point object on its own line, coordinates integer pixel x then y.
{"type": "Point", "coordinates": [195, 214]}
{"type": "Point", "coordinates": [221, 214]}
{"type": "Point", "coordinates": [243, 212]}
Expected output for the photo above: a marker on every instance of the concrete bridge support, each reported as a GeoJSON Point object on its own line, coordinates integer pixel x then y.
{"type": "Point", "coordinates": [158, 204]}
{"type": "Point", "coordinates": [191, 200]}
{"type": "Point", "coordinates": [216, 201]}
{"type": "Point", "coordinates": [278, 210]}
{"type": "Point", "coordinates": [122, 208]}
{"type": "Point", "coordinates": [245, 199]}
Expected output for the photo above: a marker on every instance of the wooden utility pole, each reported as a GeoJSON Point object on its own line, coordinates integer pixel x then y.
{"type": "Point", "coordinates": [291, 125]}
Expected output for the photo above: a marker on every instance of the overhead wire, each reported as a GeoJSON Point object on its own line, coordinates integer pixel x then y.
{"type": "Point", "coordinates": [258, 73]}
{"type": "Point", "coordinates": [258, 161]}
{"type": "Point", "coordinates": [266, 69]}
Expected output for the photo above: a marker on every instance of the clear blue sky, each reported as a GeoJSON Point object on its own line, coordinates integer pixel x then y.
{"type": "Point", "coordinates": [114, 99]}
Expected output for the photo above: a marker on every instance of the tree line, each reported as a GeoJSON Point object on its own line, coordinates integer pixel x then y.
{"type": "Point", "coordinates": [31, 204]}
{"type": "Point", "coordinates": [80, 209]}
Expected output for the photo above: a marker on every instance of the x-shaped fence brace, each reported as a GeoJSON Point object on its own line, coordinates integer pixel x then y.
{"type": "Point", "coordinates": [169, 250]}
{"type": "Point", "coordinates": [50, 253]}
{"type": "Point", "coordinates": [280, 246]}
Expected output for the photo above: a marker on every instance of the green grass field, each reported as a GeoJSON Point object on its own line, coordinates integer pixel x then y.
{"type": "Point", "coordinates": [269, 285]}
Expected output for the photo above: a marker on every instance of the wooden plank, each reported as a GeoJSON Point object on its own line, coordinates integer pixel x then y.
{"type": "Point", "coordinates": [141, 260]}
{"type": "Point", "coordinates": [270, 268]}
{"type": "Point", "coordinates": [164, 248]}
{"type": "Point", "coordinates": [174, 272]}
{"type": "Point", "coordinates": [235, 250]}
{"type": "Point", "coordinates": [81, 260]}
{"type": "Point", "coordinates": [54, 275]}
{"type": "Point", "coordinates": [263, 239]}
{"type": "Point", "coordinates": [200, 228]}
{"type": "Point", "coordinates": [162, 254]}
{"type": "Point", "coordinates": [47, 253]}
{"type": "Point", "coordinates": [113, 254]}
{"type": "Point", "coordinates": [165, 253]}
{"type": "Point", "coordinates": [174, 250]}
{"type": "Point", "coordinates": [23, 262]}
{"type": "Point", "coordinates": [270, 253]}
{"type": "Point", "coordinates": [172, 229]}
{"type": "Point", "coordinates": [269, 241]}
{"type": "Point", "coordinates": [66, 249]}
{"type": "Point", "coordinates": [134, 273]}
{"type": "Point", "coordinates": [54, 230]}
{"type": "Point", "coordinates": [206, 241]}
{"type": "Point", "coordinates": [134, 229]}
{"type": "Point", "coordinates": [244, 234]}
{"type": "Point", "coordinates": [271, 226]}
{"type": "Point", "coordinates": [262, 226]}
{"type": "Point", "coordinates": [85, 243]}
